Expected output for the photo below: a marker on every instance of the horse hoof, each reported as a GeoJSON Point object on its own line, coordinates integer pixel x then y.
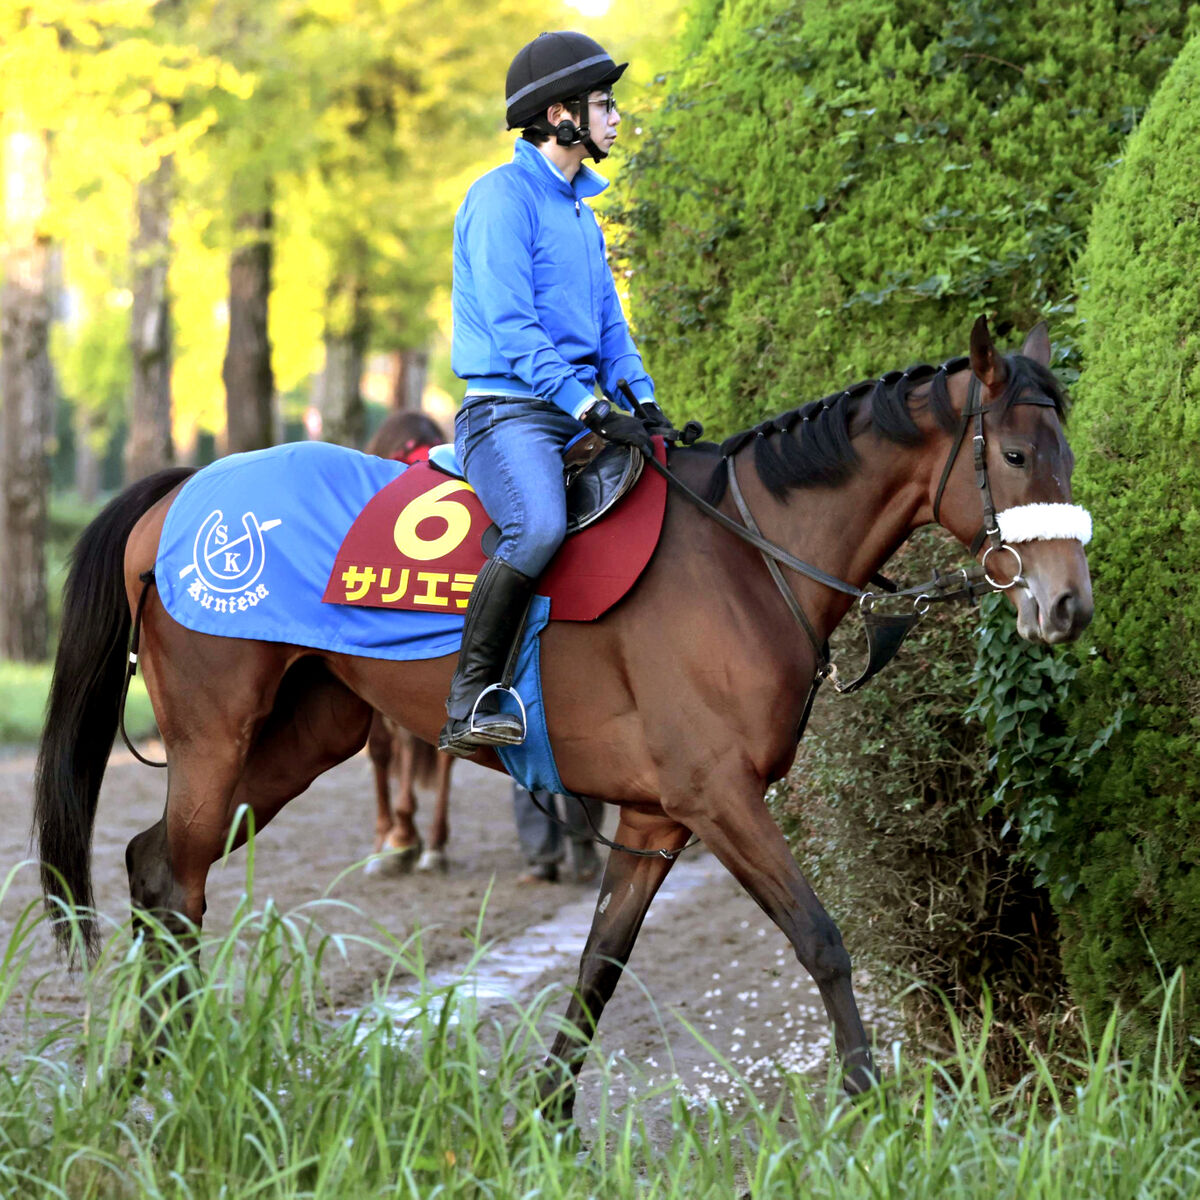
{"type": "Point", "coordinates": [555, 1096]}
{"type": "Point", "coordinates": [860, 1076]}
{"type": "Point", "coordinates": [394, 860]}
{"type": "Point", "coordinates": [432, 860]}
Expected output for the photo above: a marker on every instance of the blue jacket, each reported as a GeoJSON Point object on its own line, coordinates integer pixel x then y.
{"type": "Point", "coordinates": [535, 307]}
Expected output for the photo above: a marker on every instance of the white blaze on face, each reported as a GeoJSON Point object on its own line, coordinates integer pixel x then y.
{"type": "Point", "coordinates": [1045, 523]}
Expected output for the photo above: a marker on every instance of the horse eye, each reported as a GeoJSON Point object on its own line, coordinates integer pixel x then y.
{"type": "Point", "coordinates": [1014, 458]}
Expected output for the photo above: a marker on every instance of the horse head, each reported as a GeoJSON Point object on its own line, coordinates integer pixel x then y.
{"type": "Point", "coordinates": [1016, 481]}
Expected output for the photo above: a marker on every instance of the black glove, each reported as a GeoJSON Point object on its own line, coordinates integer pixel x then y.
{"type": "Point", "coordinates": [614, 425]}
{"type": "Point", "coordinates": [656, 422]}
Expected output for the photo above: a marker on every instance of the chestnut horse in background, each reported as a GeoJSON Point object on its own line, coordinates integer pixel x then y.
{"type": "Point", "coordinates": [407, 437]}
{"type": "Point", "coordinates": [680, 706]}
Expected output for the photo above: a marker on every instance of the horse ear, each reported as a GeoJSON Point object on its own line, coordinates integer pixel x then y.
{"type": "Point", "coordinates": [1037, 344]}
{"type": "Point", "coordinates": [988, 366]}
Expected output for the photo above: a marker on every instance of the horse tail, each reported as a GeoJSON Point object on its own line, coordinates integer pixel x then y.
{"type": "Point", "coordinates": [424, 763]}
{"type": "Point", "coordinates": [83, 708]}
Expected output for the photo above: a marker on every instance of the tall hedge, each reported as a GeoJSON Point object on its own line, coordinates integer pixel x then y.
{"type": "Point", "coordinates": [1128, 860]}
{"type": "Point", "coordinates": [833, 189]}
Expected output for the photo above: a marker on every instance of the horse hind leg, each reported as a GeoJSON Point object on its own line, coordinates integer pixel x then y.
{"type": "Point", "coordinates": [401, 846]}
{"type": "Point", "coordinates": [314, 722]}
{"type": "Point", "coordinates": [395, 835]}
{"type": "Point", "coordinates": [379, 748]}
{"type": "Point", "coordinates": [317, 722]}
{"type": "Point", "coordinates": [167, 866]}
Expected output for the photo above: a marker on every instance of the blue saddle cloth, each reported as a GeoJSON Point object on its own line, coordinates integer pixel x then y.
{"type": "Point", "coordinates": [247, 548]}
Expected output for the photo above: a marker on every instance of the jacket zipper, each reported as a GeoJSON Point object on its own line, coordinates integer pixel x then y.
{"type": "Point", "coordinates": [587, 258]}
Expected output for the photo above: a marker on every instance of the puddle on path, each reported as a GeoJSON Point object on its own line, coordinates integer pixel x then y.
{"type": "Point", "coordinates": [508, 971]}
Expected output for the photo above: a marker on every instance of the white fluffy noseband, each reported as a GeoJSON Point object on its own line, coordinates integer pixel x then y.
{"type": "Point", "coordinates": [1045, 523]}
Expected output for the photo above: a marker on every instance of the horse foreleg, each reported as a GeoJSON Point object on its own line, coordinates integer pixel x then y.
{"type": "Point", "coordinates": [434, 856]}
{"type": "Point", "coordinates": [629, 884]}
{"type": "Point", "coordinates": [404, 842]}
{"type": "Point", "coordinates": [379, 747]}
{"type": "Point", "coordinates": [748, 843]}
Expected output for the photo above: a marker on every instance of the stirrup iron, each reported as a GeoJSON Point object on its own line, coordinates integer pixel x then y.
{"type": "Point", "coordinates": [473, 731]}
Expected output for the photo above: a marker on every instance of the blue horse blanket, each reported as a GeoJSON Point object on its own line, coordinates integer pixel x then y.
{"type": "Point", "coordinates": [247, 548]}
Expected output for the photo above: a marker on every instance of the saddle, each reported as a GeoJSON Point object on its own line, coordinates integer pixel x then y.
{"type": "Point", "coordinates": [597, 474]}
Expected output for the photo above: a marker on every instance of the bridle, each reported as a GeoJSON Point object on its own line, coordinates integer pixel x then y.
{"type": "Point", "coordinates": [989, 531]}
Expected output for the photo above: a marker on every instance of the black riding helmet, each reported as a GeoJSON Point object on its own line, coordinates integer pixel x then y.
{"type": "Point", "coordinates": [558, 67]}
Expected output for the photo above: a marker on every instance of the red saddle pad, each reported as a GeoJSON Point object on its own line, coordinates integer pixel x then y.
{"type": "Point", "coordinates": [417, 546]}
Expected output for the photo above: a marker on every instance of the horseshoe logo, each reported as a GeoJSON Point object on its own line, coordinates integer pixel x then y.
{"type": "Point", "coordinates": [224, 563]}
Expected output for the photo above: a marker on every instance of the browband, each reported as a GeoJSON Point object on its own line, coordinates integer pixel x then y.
{"type": "Point", "coordinates": [1045, 523]}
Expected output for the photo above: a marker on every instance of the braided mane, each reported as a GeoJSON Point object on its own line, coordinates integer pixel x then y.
{"type": "Point", "coordinates": [811, 446]}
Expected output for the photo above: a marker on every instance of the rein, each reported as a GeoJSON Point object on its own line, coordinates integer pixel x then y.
{"type": "Point", "coordinates": [885, 633]}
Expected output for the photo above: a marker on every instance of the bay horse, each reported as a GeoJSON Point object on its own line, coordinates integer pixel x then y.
{"type": "Point", "coordinates": [680, 706]}
{"type": "Point", "coordinates": [407, 437]}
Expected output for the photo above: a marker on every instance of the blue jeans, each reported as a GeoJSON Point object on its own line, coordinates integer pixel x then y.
{"type": "Point", "coordinates": [511, 452]}
{"type": "Point", "coordinates": [542, 839]}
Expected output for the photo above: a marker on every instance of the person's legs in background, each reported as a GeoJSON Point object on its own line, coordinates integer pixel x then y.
{"type": "Point", "coordinates": [585, 861]}
{"type": "Point", "coordinates": [539, 835]}
{"type": "Point", "coordinates": [543, 839]}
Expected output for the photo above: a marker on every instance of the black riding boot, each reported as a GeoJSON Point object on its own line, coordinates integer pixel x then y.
{"type": "Point", "coordinates": [495, 616]}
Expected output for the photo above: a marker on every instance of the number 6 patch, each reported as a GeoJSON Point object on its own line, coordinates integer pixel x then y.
{"type": "Point", "coordinates": [416, 546]}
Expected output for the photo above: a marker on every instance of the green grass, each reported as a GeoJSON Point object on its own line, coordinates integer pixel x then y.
{"type": "Point", "coordinates": [23, 691]}
{"type": "Point", "coordinates": [270, 1093]}
{"type": "Point", "coordinates": [24, 686]}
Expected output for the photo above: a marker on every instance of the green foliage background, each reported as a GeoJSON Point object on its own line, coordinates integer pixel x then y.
{"type": "Point", "coordinates": [862, 180]}
{"type": "Point", "coordinates": [829, 191]}
{"type": "Point", "coordinates": [1129, 835]}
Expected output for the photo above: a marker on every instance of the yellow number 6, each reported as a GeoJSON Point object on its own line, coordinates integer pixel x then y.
{"type": "Point", "coordinates": [434, 503]}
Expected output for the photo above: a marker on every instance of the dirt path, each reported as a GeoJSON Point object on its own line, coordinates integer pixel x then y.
{"type": "Point", "coordinates": [707, 956]}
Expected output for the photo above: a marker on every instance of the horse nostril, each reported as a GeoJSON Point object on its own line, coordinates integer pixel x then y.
{"type": "Point", "coordinates": [1062, 615]}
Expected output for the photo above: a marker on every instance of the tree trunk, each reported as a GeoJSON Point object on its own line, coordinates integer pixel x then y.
{"type": "Point", "coordinates": [339, 392]}
{"type": "Point", "coordinates": [249, 380]}
{"type": "Point", "coordinates": [410, 371]}
{"type": "Point", "coordinates": [87, 461]}
{"type": "Point", "coordinates": [27, 386]}
{"type": "Point", "coordinates": [149, 447]}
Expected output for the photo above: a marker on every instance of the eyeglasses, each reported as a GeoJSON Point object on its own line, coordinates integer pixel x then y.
{"type": "Point", "coordinates": [608, 103]}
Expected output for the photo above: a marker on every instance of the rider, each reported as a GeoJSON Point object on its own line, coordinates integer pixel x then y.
{"type": "Point", "coordinates": [537, 326]}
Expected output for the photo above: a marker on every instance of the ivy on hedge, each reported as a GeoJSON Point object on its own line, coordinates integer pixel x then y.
{"type": "Point", "coordinates": [1021, 692]}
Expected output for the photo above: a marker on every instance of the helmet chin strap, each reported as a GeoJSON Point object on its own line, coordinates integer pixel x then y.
{"type": "Point", "coordinates": [567, 133]}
